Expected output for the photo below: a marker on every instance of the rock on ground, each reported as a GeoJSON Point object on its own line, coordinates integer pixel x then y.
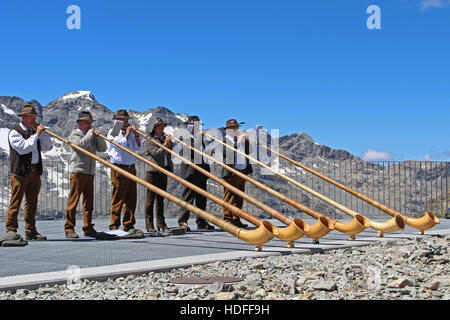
{"type": "Point", "coordinates": [403, 269]}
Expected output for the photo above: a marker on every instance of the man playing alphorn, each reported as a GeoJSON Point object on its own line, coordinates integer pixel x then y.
{"type": "Point", "coordinates": [159, 156]}
{"type": "Point", "coordinates": [238, 162]}
{"type": "Point", "coordinates": [190, 174]}
{"type": "Point", "coordinates": [82, 171]}
{"type": "Point", "coordinates": [124, 193]}
{"type": "Point", "coordinates": [26, 141]}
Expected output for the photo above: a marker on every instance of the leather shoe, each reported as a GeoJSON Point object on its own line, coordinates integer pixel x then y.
{"type": "Point", "coordinates": [150, 227]}
{"type": "Point", "coordinates": [35, 236]}
{"type": "Point", "coordinates": [163, 229]}
{"type": "Point", "coordinates": [90, 233]}
{"type": "Point", "coordinates": [205, 226]}
{"type": "Point", "coordinates": [185, 226]}
{"type": "Point", "coordinates": [239, 224]}
{"type": "Point", "coordinates": [72, 235]}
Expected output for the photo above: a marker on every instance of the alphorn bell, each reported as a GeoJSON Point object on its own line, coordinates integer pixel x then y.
{"type": "Point", "coordinates": [296, 227]}
{"type": "Point", "coordinates": [324, 224]}
{"type": "Point", "coordinates": [428, 221]}
{"type": "Point", "coordinates": [394, 224]}
{"type": "Point", "coordinates": [257, 236]}
{"type": "Point", "coordinates": [252, 219]}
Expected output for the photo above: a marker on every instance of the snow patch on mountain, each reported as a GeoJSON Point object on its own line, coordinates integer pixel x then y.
{"type": "Point", "coordinates": [78, 94]}
{"type": "Point", "coordinates": [57, 178]}
{"type": "Point", "coordinates": [4, 144]}
{"type": "Point", "coordinates": [142, 120]}
{"type": "Point", "coordinates": [8, 110]}
{"type": "Point", "coordinates": [4, 198]}
{"type": "Point", "coordinates": [169, 130]}
{"type": "Point", "coordinates": [182, 117]}
{"type": "Point", "coordinates": [55, 152]}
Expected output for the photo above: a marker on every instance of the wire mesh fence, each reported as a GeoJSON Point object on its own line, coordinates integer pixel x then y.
{"type": "Point", "coordinates": [410, 187]}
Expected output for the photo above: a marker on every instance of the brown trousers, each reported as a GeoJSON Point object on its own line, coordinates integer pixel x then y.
{"type": "Point", "coordinates": [80, 184]}
{"type": "Point", "coordinates": [30, 187]}
{"type": "Point", "coordinates": [124, 195]}
{"type": "Point", "coordinates": [232, 198]}
{"type": "Point", "coordinates": [159, 180]}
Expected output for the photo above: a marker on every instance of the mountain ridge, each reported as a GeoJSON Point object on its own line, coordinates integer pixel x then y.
{"type": "Point", "coordinates": [358, 174]}
{"type": "Point", "coordinates": [58, 111]}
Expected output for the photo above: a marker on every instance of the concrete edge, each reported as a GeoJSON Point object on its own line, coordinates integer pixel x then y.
{"type": "Point", "coordinates": [34, 281]}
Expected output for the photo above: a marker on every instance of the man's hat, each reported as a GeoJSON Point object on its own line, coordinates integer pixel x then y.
{"type": "Point", "coordinates": [121, 115]}
{"type": "Point", "coordinates": [193, 120]}
{"type": "Point", "coordinates": [233, 123]}
{"type": "Point", "coordinates": [85, 115]}
{"type": "Point", "coordinates": [159, 121]}
{"type": "Point", "coordinates": [28, 109]}
{"type": "Point", "coordinates": [153, 122]}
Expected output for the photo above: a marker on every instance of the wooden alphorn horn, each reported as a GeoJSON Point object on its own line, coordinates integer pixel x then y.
{"type": "Point", "coordinates": [324, 224]}
{"type": "Point", "coordinates": [252, 219]}
{"type": "Point", "coordinates": [257, 236]}
{"type": "Point", "coordinates": [296, 227]}
{"type": "Point", "coordinates": [391, 225]}
{"type": "Point", "coordinates": [428, 221]}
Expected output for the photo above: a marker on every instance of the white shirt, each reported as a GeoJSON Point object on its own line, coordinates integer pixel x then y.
{"type": "Point", "coordinates": [240, 162]}
{"type": "Point", "coordinates": [119, 156]}
{"type": "Point", "coordinates": [24, 146]}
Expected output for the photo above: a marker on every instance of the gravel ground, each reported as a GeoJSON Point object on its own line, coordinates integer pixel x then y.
{"type": "Point", "coordinates": [416, 269]}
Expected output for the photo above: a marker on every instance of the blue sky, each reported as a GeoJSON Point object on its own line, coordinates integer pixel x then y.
{"type": "Point", "coordinates": [298, 66]}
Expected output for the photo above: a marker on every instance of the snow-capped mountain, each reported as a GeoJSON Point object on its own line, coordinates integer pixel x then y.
{"type": "Point", "coordinates": [78, 94]}
{"type": "Point", "coordinates": [359, 174]}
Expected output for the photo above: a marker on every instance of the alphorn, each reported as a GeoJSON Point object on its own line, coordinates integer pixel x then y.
{"type": "Point", "coordinates": [256, 237]}
{"type": "Point", "coordinates": [428, 221]}
{"type": "Point", "coordinates": [391, 225]}
{"type": "Point", "coordinates": [296, 227]}
{"type": "Point", "coordinates": [324, 224]}
{"type": "Point", "coordinates": [250, 218]}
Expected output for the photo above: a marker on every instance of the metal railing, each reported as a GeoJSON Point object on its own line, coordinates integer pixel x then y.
{"type": "Point", "coordinates": [410, 187]}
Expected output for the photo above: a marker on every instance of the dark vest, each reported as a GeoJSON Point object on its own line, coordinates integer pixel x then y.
{"type": "Point", "coordinates": [248, 169]}
{"type": "Point", "coordinates": [21, 164]}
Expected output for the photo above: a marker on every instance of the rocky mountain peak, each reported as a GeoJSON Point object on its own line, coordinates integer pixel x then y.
{"type": "Point", "coordinates": [60, 110]}
{"type": "Point", "coordinates": [169, 117]}
{"type": "Point", "coordinates": [10, 107]}
{"type": "Point", "coordinates": [301, 147]}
